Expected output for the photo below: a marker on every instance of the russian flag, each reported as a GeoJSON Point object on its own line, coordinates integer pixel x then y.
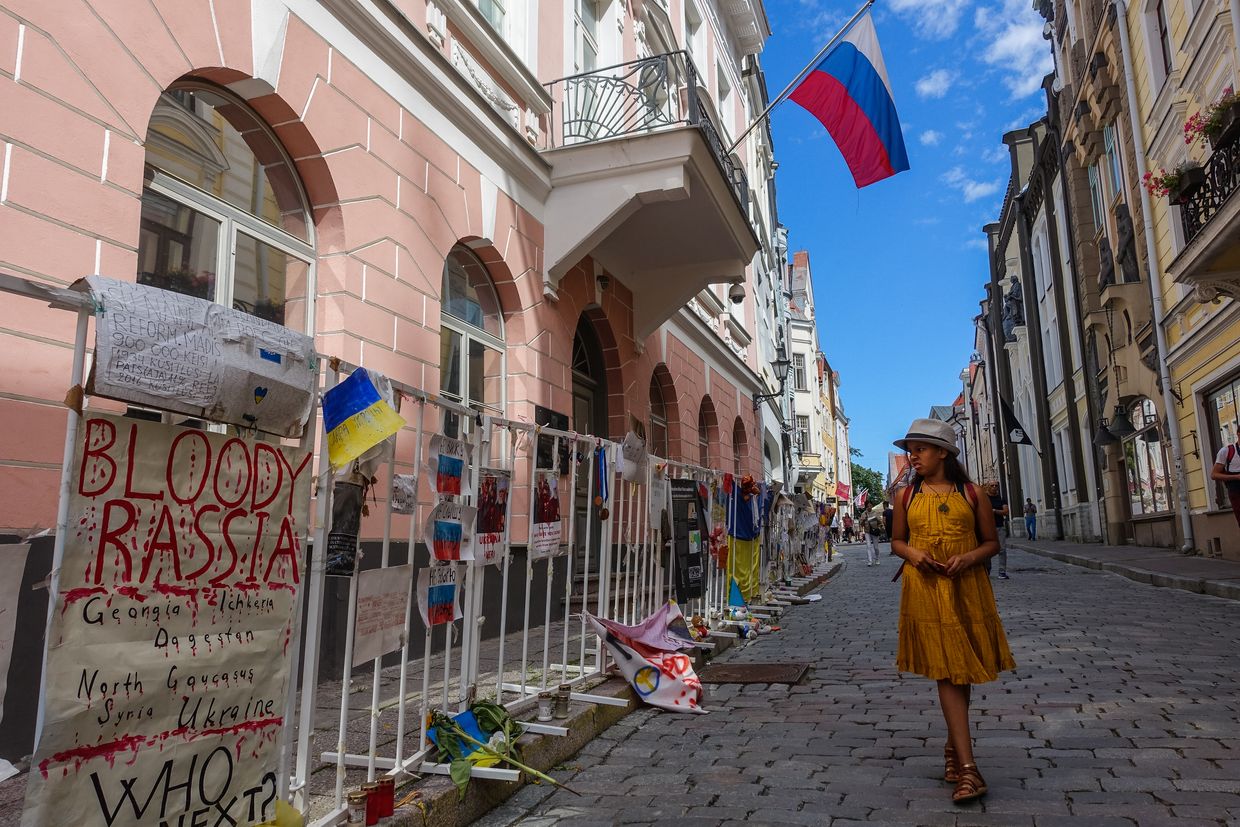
{"type": "Point", "coordinates": [849, 93]}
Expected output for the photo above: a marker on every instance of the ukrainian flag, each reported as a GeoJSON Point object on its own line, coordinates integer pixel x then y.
{"type": "Point", "coordinates": [356, 418]}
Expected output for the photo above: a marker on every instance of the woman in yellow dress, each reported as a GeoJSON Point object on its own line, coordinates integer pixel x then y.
{"type": "Point", "coordinates": [949, 626]}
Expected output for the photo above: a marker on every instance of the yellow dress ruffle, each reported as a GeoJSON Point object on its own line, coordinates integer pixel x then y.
{"type": "Point", "coordinates": [949, 628]}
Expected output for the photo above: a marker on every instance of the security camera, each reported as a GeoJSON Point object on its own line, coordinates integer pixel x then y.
{"type": "Point", "coordinates": [736, 293]}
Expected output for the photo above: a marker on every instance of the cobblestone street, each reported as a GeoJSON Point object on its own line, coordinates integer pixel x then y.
{"type": "Point", "coordinates": [1123, 711]}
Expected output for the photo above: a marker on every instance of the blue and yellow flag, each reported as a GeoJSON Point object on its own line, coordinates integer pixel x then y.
{"type": "Point", "coordinates": [356, 418]}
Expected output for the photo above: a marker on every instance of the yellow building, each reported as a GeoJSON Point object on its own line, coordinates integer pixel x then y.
{"type": "Point", "coordinates": [824, 484]}
{"type": "Point", "coordinates": [1183, 61]}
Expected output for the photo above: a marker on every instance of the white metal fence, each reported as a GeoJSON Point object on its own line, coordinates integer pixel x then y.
{"type": "Point", "coordinates": [612, 560]}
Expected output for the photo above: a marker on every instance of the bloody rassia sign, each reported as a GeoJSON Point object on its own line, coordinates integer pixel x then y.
{"type": "Point", "coordinates": [167, 662]}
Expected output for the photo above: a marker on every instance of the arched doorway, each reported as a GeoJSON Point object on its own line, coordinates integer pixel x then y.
{"type": "Point", "coordinates": [589, 417]}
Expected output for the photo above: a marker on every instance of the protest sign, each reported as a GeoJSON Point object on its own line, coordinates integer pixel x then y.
{"type": "Point", "coordinates": [404, 493]}
{"type": "Point", "coordinates": [448, 458]}
{"type": "Point", "coordinates": [438, 594]}
{"type": "Point", "coordinates": [168, 656]}
{"type": "Point", "coordinates": [448, 533]}
{"type": "Point", "coordinates": [546, 539]}
{"type": "Point", "coordinates": [492, 532]}
{"type": "Point", "coordinates": [382, 605]}
{"type": "Point", "coordinates": [181, 353]}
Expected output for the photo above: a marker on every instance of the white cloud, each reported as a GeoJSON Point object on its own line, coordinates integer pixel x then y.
{"type": "Point", "coordinates": [931, 138]}
{"type": "Point", "coordinates": [977, 244]}
{"type": "Point", "coordinates": [936, 84]}
{"type": "Point", "coordinates": [931, 19]}
{"type": "Point", "coordinates": [971, 190]}
{"type": "Point", "coordinates": [1013, 44]}
{"type": "Point", "coordinates": [995, 154]}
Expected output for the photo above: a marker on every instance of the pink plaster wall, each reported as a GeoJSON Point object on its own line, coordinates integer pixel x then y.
{"type": "Point", "coordinates": [87, 79]}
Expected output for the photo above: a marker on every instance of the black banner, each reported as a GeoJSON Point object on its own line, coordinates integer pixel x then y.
{"type": "Point", "coordinates": [1015, 433]}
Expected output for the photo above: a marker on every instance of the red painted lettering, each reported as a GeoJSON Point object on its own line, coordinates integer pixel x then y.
{"type": "Point", "coordinates": [100, 436]}
{"type": "Point", "coordinates": [129, 489]}
{"type": "Point", "coordinates": [234, 466]}
{"type": "Point", "coordinates": [275, 474]}
{"type": "Point", "coordinates": [111, 536]}
{"type": "Point", "coordinates": [258, 541]}
{"type": "Point", "coordinates": [286, 546]}
{"type": "Point", "coordinates": [163, 541]}
{"type": "Point", "coordinates": [293, 475]}
{"type": "Point", "coordinates": [206, 541]}
{"type": "Point", "coordinates": [218, 580]}
{"type": "Point", "coordinates": [193, 466]}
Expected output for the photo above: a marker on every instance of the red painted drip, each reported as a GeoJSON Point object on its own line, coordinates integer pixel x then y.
{"type": "Point", "coordinates": [132, 593]}
{"type": "Point", "coordinates": [74, 595]}
{"type": "Point", "coordinates": [129, 743]}
{"type": "Point", "coordinates": [178, 591]}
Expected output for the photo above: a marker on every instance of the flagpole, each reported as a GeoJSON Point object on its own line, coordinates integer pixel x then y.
{"type": "Point", "coordinates": [809, 66]}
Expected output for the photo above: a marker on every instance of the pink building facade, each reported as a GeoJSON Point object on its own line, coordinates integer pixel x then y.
{"type": "Point", "coordinates": [408, 182]}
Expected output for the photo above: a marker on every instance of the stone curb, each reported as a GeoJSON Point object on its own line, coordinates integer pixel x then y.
{"type": "Point", "coordinates": [1228, 589]}
{"type": "Point", "coordinates": [543, 752]}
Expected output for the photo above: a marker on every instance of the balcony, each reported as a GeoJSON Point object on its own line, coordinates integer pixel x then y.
{"type": "Point", "coordinates": [642, 182]}
{"type": "Point", "coordinates": [1210, 219]}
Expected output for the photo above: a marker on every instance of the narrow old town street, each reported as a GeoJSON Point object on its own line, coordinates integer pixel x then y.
{"type": "Point", "coordinates": [1123, 711]}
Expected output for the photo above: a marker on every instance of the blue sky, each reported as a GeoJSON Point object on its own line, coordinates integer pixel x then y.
{"type": "Point", "coordinates": [899, 266]}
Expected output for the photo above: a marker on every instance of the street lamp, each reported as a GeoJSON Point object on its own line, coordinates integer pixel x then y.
{"type": "Point", "coordinates": [782, 365]}
{"type": "Point", "coordinates": [1121, 425]}
{"type": "Point", "coordinates": [1103, 437]}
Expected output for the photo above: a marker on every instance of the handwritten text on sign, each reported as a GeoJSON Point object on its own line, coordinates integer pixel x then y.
{"type": "Point", "coordinates": [168, 656]}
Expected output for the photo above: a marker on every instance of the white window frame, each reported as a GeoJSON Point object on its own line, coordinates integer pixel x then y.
{"type": "Point", "coordinates": [799, 381]}
{"type": "Point", "coordinates": [468, 332]}
{"type": "Point", "coordinates": [232, 221]}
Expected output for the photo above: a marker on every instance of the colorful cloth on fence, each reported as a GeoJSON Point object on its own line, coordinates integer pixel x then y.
{"type": "Point", "coordinates": [746, 559]}
{"type": "Point", "coordinates": [356, 418]}
{"type": "Point", "coordinates": [664, 631]}
{"type": "Point", "coordinates": [743, 523]}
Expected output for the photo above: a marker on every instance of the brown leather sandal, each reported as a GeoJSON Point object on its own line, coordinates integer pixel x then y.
{"type": "Point", "coordinates": [951, 767]}
{"type": "Point", "coordinates": [970, 786]}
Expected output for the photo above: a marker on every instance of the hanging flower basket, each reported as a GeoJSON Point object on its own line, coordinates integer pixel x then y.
{"type": "Point", "coordinates": [1187, 181]}
{"type": "Point", "coordinates": [1225, 125]}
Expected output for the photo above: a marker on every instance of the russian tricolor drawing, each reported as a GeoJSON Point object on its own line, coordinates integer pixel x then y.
{"type": "Point", "coordinates": [849, 93]}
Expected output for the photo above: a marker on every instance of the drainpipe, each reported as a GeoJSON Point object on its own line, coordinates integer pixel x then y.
{"type": "Point", "coordinates": [1234, 8]}
{"type": "Point", "coordinates": [1155, 278]}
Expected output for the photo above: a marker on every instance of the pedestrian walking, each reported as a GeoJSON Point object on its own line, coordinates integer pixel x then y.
{"type": "Point", "coordinates": [848, 528]}
{"type": "Point", "coordinates": [871, 552]}
{"type": "Point", "coordinates": [950, 630]}
{"type": "Point", "coordinates": [1227, 471]}
{"type": "Point", "coordinates": [999, 505]}
{"type": "Point", "coordinates": [888, 516]}
{"type": "Point", "coordinates": [1031, 519]}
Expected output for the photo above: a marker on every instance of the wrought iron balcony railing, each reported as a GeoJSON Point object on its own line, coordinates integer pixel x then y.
{"type": "Point", "coordinates": [1222, 177]}
{"type": "Point", "coordinates": [639, 97]}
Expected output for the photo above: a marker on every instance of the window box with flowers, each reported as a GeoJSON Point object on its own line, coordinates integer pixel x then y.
{"type": "Point", "coordinates": [1217, 124]}
{"type": "Point", "coordinates": [1178, 184]}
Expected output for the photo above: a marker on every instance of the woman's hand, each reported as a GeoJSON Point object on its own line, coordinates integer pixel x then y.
{"type": "Point", "coordinates": [959, 564]}
{"type": "Point", "coordinates": [922, 561]}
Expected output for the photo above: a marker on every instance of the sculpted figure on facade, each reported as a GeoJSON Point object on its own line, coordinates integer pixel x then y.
{"type": "Point", "coordinates": [1013, 311]}
{"type": "Point", "coordinates": [1106, 264]}
{"type": "Point", "coordinates": [1126, 246]}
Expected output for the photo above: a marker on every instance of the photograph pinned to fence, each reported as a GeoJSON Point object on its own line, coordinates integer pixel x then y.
{"type": "Point", "coordinates": [546, 539]}
{"type": "Point", "coordinates": [448, 459]}
{"type": "Point", "coordinates": [404, 493]}
{"type": "Point", "coordinates": [492, 532]}
{"type": "Point", "coordinates": [437, 594]}
{"type": "Point", "coordinates": [447, 531]}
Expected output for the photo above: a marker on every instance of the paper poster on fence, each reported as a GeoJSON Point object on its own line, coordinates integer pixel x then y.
{"type": "Point", "coordinates": [633, 459]}
{"type": "Point", "coordinates": [658, 494]}
{"type": "Point", "coordinates": [175, 351]}
{"type": "Point", "coordinates": [382, 606]}
{"type": "Point", "coordinates": [492, 533]}
{"type": "Point", "coordinates": [546, 539]}
{"type": "Point", "coordinates": [448, 533]}
{"type": "Point", "coordinates": [404, 493]}
{"type": "Point", "coordinates": [438, 598]}
{"type": "Point", "coordinates": [448, 459]}
{"type": "Point", "coordinates": [168, 657]}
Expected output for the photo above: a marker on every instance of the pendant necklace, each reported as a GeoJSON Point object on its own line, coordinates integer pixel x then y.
{"type": "Point", "coordinates": [941, 499]}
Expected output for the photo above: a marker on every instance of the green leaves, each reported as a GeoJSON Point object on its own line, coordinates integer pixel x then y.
{"type": "Point", "coordinates": [459, 771]}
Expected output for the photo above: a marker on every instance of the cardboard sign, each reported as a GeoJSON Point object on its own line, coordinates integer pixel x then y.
{"type": "Point", "coordinates": [168, 658]}
{"type": "Point", "coordinates": [448, 533]}
{"type": "Point", "coordinates": [382, 605]}
{"type": "Point", "coordinates": [438, 594]}
{"type": "Point", "coordinates": [491, 536]}
{"type": "Point", "coordinates": [181, 353]}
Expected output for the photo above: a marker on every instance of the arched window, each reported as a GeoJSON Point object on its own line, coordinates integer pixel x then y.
{"type": "Point", "coordinates": [658, 419]}
{"type": "Point", "coordinates": [471, 340]}
{"type": "Point", "coordinates": [739, 445]}
{"type": "Point", "coordinates": [223, 213]}
{"type": "Point", "coordinates": [707, 425]}
{"type": "Point", "coordinates": [1149, 486]}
